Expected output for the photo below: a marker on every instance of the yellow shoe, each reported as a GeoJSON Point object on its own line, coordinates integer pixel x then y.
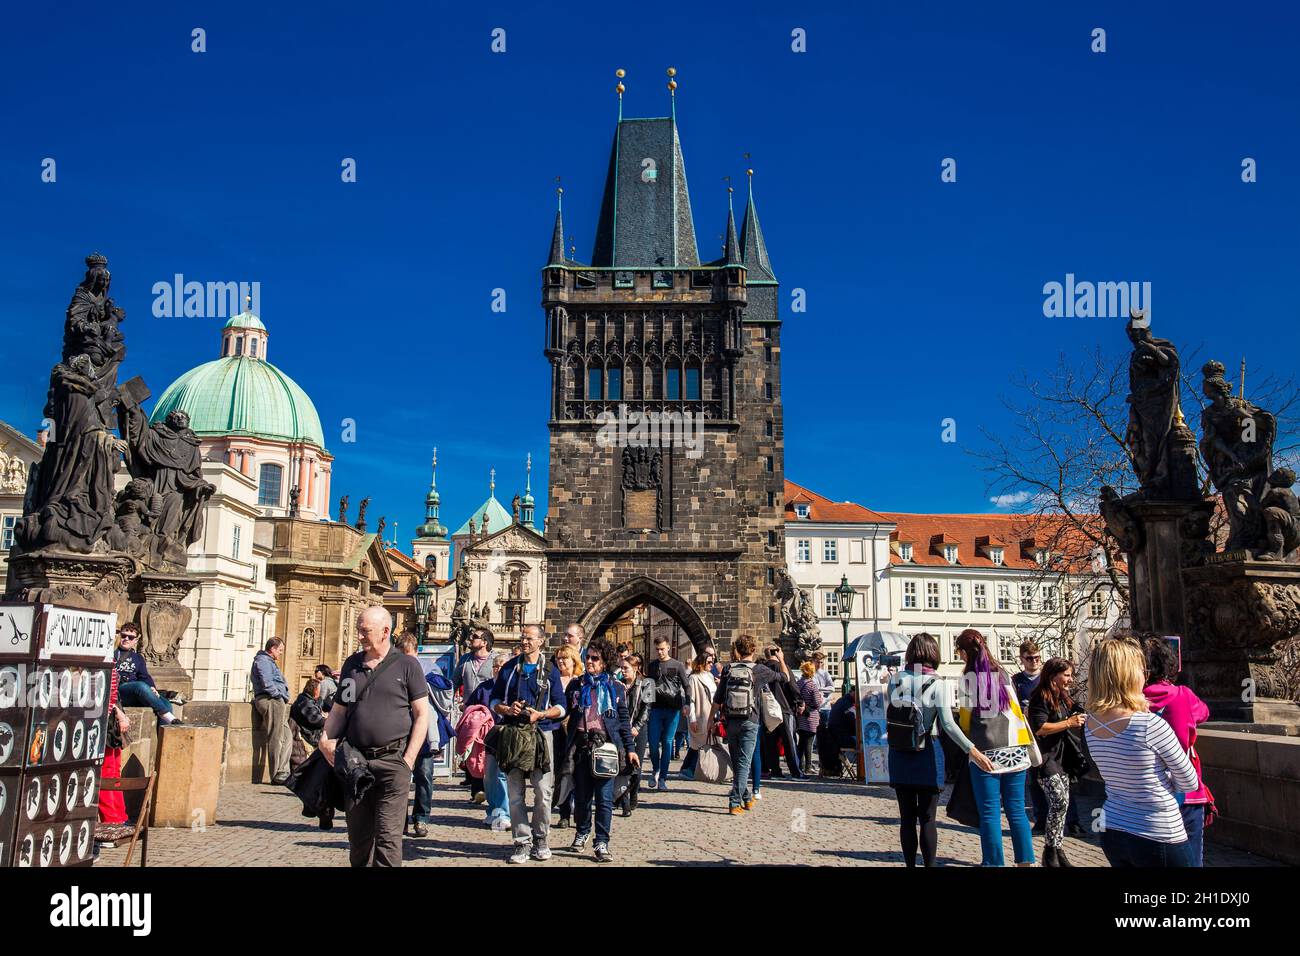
{"type": "Point", "coordinates": [737, 811]}
{"type": "Point", "coordinates": [749, 804]}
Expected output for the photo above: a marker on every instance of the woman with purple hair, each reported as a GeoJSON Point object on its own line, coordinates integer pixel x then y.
{"type": "Point", "coordinates": [990, 717]}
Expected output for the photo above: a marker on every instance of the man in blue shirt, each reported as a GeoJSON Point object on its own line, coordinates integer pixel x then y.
{"type": "Point", "coordinates": [517, 698]}
{"type": "Point", "coordinates": [271, 702]}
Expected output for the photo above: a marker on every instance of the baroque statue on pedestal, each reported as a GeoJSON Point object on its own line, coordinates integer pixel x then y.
{"type": "Point", "coordinates": [1158, 440]}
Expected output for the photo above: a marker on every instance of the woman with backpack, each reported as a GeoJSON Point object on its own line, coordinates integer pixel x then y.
{"type": "Point", "coordinates": [1140, 759]}
{"type": "Point", "coordinates": [807, 707]}
{"type": "Point", "coordinates": [917, 707]}
{"type": "Point", "coordinates": [1182, 710]}
{"type": "Point", "coordinates": [1000, 756]}
{"type": "Point", "coordinates": [1053, 716]}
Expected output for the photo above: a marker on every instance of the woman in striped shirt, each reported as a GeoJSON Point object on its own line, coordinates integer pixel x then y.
{"type": "Point", "coordinates": [1140, 760]}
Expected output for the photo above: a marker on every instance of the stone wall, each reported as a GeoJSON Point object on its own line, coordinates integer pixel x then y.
{"type": "Point", "coordinates": [1255, 779]}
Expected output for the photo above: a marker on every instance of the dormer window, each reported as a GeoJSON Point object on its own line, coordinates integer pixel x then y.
{"type": "Point", "coordinates": [1040, 556]}
{"type": "Point", "coordinates": [950, 553]}
{"type": "Point", "coordinates": [996, 555]}
{"type": "Point", "coordinates": [905, 552]}
{"type": "Point", "coordinates": [801, 511]}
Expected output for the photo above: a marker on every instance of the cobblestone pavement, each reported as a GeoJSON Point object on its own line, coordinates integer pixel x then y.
{"type": "Point", "coordinates": [813, 822]}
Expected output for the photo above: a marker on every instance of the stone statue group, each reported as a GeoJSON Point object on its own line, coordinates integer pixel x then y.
{"type": "Point", "coordinates": [70, 502]}
{"type": "Point", "coordinates": [1236, 446]}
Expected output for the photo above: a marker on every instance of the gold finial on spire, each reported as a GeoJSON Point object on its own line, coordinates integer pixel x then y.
{"type": "Point", "coordinates": [620, 73]}
{"type": "Point", "coordinates": [492, 483]}
{"type": "Point", "coordinates": [248, 302]}
{"type": "Point", "coordinates": [672, 83]}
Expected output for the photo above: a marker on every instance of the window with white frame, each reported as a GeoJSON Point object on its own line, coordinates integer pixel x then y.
{"type": "Point", "coordinates": [1004, 597]}
{"type": "Point", "coordinates": [909, 594]}
{"type": "Point", "coordinates": [905, 552]}
{"type": "Point", "coordinates": [831, 551]}
{"type": "Point", "coordinates": [801, 510]}
{"type": "Point", "coordinates": [7, 541]}
{"type": "Point", "coordinates": [225, 685]}
{"type": "Point", "coordinates": [833, 665]}
{"type": "Point", "coordinates": [1049, 597]}
{"type": "Point", "coordinates": [856, 551]}
{"type": "Point", "coordinates": [1097, 605]}
{"type": "Point", "coordinates": [230, 616]}
{"type": "Point", "coordinates": [1008, 648]}
{"type": "Point", "coordinates": [996, 555]}
{"type": "Point", "coordinates": [252, 631]}
{"type": "Point", "coordinates": [932, 602]}
{"type": "Point", "coordinates": [830, 604]}
{"type": "Point", "coordinates": [803, 550]}
{"type": "Point", "coordinates": [1026, 597]}
{"type": "Point", "coordinates": [956, 596]}
{"type": "Point", "coordinates": [980, 596]}
{"type": "Point", "coordinates": [234, 544]}
{"type": "Point", "coordinates": [950, 553]}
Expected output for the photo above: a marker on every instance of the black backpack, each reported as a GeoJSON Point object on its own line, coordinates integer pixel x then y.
{"type": "Point", "coordinates": [906, 728]}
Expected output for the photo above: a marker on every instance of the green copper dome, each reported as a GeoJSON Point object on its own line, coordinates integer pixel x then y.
{"type": "Point", "coordinates": [239, 395]}
{"type": "Point", "coordinates": [245, 320]}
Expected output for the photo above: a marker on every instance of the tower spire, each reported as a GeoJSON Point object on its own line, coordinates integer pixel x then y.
{"type": "Point", "coordinates": [556, 257]}
{"type": "Point", "coordinates": [672, 90]}
{"type": "Point", "coordinates": [432, 527]}
{"type": "Point", "coordinates": [492, 483]}
{"type": "Point", "coordinates": [620, 73]}
{"type": "Point", "coordinates": [731, 254]}
{"type": "Point", "coordinates": [526, 504]}
{"type": "Point", "coordinates": [753, 249]}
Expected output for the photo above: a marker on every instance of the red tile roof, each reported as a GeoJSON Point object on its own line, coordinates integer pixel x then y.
{"type": "Point", "coordinates": [976, 534]}
{"type": "Point", "coordinates": [823, 509]}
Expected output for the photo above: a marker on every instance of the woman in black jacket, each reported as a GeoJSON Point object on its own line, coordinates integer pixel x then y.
{"type": "Point", "coordinates": [306, 713]}
{"type": "Point", "coordinates": [597, 715]}
{"type": "Point", "coordinates": [1052, 716]}
{"type": "Point", "coordinates": [782, 738]}
{"type": "Point", "coordinates": [640, 695]}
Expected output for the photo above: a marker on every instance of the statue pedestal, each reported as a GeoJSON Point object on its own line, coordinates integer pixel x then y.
{"type": "Point", "coordinates": [1173, 535]}
{"type": "Point", "coordinates": [163, 620]}
{"type": "Point", "coordinates": [1241, 650]}
{"type": "Point", "coordinates": [96, 582]}
{"type": "Point", "coordinates": [189, 777]}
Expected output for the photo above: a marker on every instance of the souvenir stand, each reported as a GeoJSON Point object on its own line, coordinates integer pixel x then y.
{"type": "Point", "coordinates": [54, 682]}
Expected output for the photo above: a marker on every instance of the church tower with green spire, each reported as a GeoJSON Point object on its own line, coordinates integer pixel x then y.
{"type": "Point", "coordinates": [686, 517]}
{"type": "Point", "coordinates": [431, 537]}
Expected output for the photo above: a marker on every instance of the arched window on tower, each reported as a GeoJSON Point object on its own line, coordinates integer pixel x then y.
{"type": "Point", "coordinates": [252, 348]}
{"type": "Point", "coordinates": [692, 383]}
{"type": "Point", "coordinates": [614, 383]}
{"type": "Point", "coordinates": [594, 384]}
{"type": "Point", "coordinates": [673, 383]}
{"type": "Point", "coordinates": [269, 480]}
{"type": "Point", "coordinates": [225, 348]}
{"type": "Point", "coordinates": [239, 345]}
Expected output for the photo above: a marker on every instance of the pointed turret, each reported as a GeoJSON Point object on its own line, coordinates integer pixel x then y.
{"type": "Point", "coordinates": [527, 504]}
{"type": "Point", "coordinates": [753, 249]}
{"type": "Point", "coordinates": [557, 237]}
{"type": "Point", "coordinates": [432, 527]}
{"type": "Point", "coordinates": [731, 249]}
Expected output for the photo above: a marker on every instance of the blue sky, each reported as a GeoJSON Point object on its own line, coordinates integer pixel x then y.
{"type": "Point", "coordinates": [924, 298]}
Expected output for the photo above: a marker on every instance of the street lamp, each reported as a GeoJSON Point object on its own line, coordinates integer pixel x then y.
{"type": "Point", "coordinates": [422, 591]}
{"type": "Point", "coordinates": [844, 595]}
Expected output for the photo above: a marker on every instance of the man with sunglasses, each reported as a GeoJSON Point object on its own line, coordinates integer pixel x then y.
{"type": "Point", "coordinates": [135, 686]}
{"type": "Point", "coordinates": [1031, 669]}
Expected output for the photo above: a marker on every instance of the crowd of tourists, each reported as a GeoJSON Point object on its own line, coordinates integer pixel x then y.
{"type": "Point", "coordinates": [562, 741]}
{"type": "Point", "coordinates": [1033, 732]}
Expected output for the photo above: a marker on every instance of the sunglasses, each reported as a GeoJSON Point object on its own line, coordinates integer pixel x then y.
{"type": "Point", "coordinates": [1035, 657]}
{"type": "Point", "coordinates": [595, 659]}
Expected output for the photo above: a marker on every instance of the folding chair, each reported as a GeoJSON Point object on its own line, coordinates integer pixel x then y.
{"type": "Point", "coordinates": [141, 829]}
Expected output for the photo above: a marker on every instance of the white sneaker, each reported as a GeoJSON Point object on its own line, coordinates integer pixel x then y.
{"type": "Point", "coordinates": [758, 795]}
{"type": "Point", "coordinates": [520, 854]}
{"type": "Point", "coordinates": [500, 824]}
{"type": "Point", "coordinates": [541, 852]}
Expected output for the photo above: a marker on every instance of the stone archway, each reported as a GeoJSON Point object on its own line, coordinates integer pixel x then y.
{"type": "Point", "coordinates": [645, 590]}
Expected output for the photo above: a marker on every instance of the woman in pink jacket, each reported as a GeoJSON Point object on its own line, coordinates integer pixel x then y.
{"type": "Point", "coordinates": [1183, 710]}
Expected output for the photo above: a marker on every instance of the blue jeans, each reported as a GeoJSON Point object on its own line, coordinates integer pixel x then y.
{"type": "Point", "coordinates": [1127, 850]}
{"type": "Point", "coordinates": [585, 787]}
{"type": "Point", "coordinates": [136, 693]}
{"type": "Point", "coordinates": [1194, 824]}
{"type": "Point", "coordinates": [494, 787]}
{"type": "Point", "coordinates": [996, 793]}
{"type": "Point", "coordinates": [663, 725]}
{"type": "Point", "coordinates": [423, 776]}
{"type": "Point", "coordinates": [742, 742]}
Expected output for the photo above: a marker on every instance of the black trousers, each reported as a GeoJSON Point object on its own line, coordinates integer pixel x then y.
{"type": "Point", "coordinates": [916, 809]}
{"type": "Point", "coordinates": [783, 735]}
{"type": "Point", "coordinates": [375, 821]}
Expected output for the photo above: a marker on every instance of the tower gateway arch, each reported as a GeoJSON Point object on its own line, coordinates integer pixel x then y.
{"type": "Point", "coordinates": [666, 432]}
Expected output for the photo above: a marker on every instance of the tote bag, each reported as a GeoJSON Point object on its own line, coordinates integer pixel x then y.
{"type": "Point", "coordinates": [714, 764]}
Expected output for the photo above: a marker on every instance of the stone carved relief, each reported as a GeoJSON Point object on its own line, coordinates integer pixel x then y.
{"type": "Point", "coordinates": [162, 624]}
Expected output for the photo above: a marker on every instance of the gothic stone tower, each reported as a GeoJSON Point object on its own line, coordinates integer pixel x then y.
{"type": "Point", "coordinates": [648, 329]}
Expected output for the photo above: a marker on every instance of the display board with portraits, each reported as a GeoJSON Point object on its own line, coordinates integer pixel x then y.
{"type": "Point", "coordinates": [872, 736]}
{"type": "Point", "coordinates": [55, 672]}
